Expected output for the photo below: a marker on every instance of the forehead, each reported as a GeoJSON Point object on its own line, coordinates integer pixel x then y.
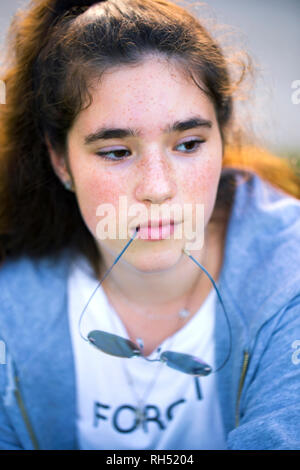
{"type": "Point", "coordinates": [147, 95]}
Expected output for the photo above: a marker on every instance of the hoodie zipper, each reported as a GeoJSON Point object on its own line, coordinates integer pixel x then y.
{"type": "Point", "coordinates": [24, 414]}
{"type": "Point", "coordinates": [242, 379]}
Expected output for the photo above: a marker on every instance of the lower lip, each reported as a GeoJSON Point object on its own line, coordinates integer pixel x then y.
{"type": "Point", "coordinates": [156, 233]}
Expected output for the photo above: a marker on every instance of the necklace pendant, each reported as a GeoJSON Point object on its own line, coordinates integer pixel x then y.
{"type": "Point", "coordinates": [184, 313]}
{"type": "Point", "coordinates": [140, 416]}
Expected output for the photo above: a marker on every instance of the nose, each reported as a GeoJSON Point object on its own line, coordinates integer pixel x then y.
{"type": "Point", "coordinates": [156, 179]}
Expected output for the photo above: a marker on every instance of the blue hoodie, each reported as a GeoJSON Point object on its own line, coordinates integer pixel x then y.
{"type": "Point", "coordinates": [259, 387]}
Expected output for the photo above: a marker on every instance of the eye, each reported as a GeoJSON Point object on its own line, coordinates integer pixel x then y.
{"type": "Point", "coordinates": [192, 145]}
{"type": "Point", "coordinates": [118, 154]}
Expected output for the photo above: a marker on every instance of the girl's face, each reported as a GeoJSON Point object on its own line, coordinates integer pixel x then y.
{"type": "Point", "coordinates": [152, 161]}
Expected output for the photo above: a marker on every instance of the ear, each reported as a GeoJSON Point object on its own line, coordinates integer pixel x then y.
{"type": "Point", "coordinates": [58, 162]}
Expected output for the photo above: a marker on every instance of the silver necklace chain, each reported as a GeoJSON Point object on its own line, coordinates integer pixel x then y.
{"type": "Point", "coordinates": [140, 415]}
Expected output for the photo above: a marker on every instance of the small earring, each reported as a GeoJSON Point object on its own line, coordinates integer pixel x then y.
{"type": "Point", "coordinates": [68, 185]}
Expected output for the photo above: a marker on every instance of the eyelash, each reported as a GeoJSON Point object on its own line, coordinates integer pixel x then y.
{"type": "Point", "coordinates": [104, 157]}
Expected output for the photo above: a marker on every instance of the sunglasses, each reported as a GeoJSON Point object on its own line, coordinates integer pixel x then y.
{"type": "Point", "coordinates": [115, 345]}
{"type": "Point", "coordinates": [121, 347]}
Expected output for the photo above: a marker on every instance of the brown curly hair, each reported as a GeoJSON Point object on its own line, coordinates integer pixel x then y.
{"type": "Point", "coordinates": [53, 51]}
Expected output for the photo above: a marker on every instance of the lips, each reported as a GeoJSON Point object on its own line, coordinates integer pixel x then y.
{"type": "Point", "coordinates": [156, 230]}
{"type": "Point", "coordinates": [154, 223]}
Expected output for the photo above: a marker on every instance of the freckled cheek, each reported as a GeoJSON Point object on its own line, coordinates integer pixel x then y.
{"type": "Point", "coordinates": [201, 185]}
{"type": "Point", "coordinates": [92, 193]}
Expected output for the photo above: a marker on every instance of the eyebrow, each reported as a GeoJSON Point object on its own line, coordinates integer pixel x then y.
{"type": "Point", "coordinates": [105, 133]}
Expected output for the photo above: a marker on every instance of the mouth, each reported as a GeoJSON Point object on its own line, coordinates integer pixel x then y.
{"type": "Point", "coordinates": [155, 231]}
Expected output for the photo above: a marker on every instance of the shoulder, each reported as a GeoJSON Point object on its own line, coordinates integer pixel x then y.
{"type": "Point", "coordinates": [270, 222]}
{"type": "Point", "coordinates": [31, 288]}
{"type": "Point", "coordinates": [272, 208]}
{"type": "Point", "coordinates": [264, 216]}
{"type": "Point", "coordinates": [25, 273]}
{"type": "Point", "coordinates": [33, 303]}
{"type": "Point", "coordinates": [262, 255]}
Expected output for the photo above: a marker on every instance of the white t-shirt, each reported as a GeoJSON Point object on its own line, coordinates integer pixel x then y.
{"type": "Point", "coordinates": [182, 412]}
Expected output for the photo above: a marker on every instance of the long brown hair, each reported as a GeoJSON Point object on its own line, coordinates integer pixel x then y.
{"type": "Point", "coordinates": [53, 51]}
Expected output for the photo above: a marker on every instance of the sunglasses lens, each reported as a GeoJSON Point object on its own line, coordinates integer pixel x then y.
{"type": "Point", "coordinates": [113, 344]}
{"type": "Point", "coordinates": [185, 363]}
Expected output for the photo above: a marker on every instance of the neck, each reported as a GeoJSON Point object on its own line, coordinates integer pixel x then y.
{"type": "Point", "coordinates": [153, 292]}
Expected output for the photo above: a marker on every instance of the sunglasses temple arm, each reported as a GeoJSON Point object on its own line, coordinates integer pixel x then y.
{"type": "Point", "coordinates": [104, 277]}
{"type": "Point", "coordinates": [222, 303]}
{"type": "Point", "coordinates": [195, 261]}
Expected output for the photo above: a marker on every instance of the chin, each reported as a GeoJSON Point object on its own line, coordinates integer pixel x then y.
{"type": "Point", "coordinates": [156, 260]}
